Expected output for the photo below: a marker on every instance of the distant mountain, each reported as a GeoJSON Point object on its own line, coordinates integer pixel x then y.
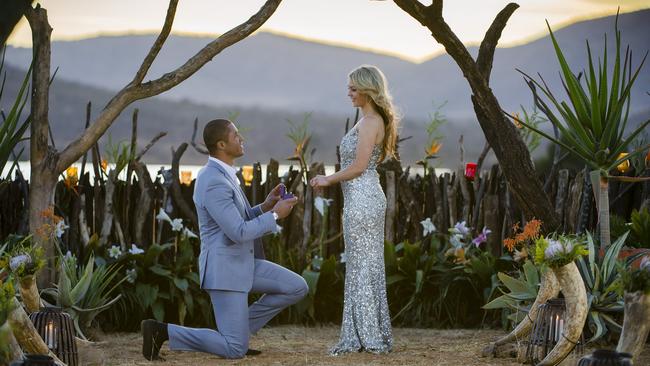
{"type": "Point", "coordinates": [269, 78]}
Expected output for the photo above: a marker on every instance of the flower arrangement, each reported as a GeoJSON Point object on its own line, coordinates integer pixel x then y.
{"type": "Point", "coordinates": [23, 259]}
{"type": "Point", "coordinates": [558, 252]}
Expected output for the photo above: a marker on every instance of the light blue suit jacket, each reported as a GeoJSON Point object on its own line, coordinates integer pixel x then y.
{"type": "Point", "coordinates": [230, 230]}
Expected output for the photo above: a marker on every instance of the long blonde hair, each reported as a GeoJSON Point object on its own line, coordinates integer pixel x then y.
{"type": "Point", "coordinates": [370, 81]}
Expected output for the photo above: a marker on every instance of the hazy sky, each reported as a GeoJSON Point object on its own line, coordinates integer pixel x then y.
{"type": "Point", "coordinates": [376, 25]}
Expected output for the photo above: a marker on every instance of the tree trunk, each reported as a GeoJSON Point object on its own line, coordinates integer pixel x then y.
{"type": "Point", "coordinates": [43, 160]}
{"type": "Point", "coordinates": [41, 197]}
{"type": "Point", "coordinates": [635, 325]}
{"type": "Point", "coordinates": [509, 148]}
{"type": "Point", "coordinates": [575, 296]}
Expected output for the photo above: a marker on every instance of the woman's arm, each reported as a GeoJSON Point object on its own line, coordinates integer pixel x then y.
{"type": "Point", "coordinates": [368, 131]}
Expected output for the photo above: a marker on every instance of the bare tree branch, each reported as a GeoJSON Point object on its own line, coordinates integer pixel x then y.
{"type": "Point", "coordinates": [131, 93]}
{"type": "Point", "coordinates": [491, 39]}
{"type": "Point", "coordinates": [149, 145]}
{"type": "Point", "coordinates": [198, 148]}
{"type": "Point", "coordinates": [155, 49]}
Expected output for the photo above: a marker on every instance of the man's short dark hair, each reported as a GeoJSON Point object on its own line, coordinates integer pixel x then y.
{"type": "Point", "coordinates": [215, 131]}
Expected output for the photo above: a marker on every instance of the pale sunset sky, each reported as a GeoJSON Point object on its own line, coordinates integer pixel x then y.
{"type": "Point", "coordinates": [373, 25]}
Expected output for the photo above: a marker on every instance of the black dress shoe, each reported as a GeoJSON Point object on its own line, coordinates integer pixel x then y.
{"type": "Point", "coordinates": [154, 334]}
{"type": "Point", "coordinates": [252, 352]}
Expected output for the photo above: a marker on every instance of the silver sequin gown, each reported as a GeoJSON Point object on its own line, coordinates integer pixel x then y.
{"type": "Point", "coordinates": [366, 320]}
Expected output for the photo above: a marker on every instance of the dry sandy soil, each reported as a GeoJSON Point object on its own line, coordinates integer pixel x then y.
{"type": "Point", "coordinates": [295, 345]}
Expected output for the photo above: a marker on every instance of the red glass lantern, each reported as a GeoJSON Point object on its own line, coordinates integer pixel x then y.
{"type": "Point", "coordinates": [470, 171]}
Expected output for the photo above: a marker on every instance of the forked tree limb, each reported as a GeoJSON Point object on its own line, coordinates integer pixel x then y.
{"type": "Point", "coordinates": [133, 92]}
{"type": "Point", "coordinates": [509, 148]}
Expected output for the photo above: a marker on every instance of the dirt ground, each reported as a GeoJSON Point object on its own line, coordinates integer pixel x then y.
{"type": "Point", "coordinates": [295, 345]}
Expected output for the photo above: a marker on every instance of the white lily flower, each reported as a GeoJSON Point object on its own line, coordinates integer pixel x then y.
{"type": "Point", "coordinates": [115, 252]}
{"type": "Point", "coordinates": [162, 215]}
{"type": "Point", "coordinates": [320, 203]}
{"type": "Point", "coordinates": [456, 240]}
{"type": "Point", "coordinates": [189, 233]}
{"type": "Point", "coordinates": [427, 227]}
{"type": "Point", "coordinates": [135, 250]}
{"type": "Point", "coordinates": [177, 224]}
{"type": "Point", "coordinates": [60, 228]}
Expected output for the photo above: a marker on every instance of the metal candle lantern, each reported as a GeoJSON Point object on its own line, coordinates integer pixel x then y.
{"type": "Point", "coordinates": [57, 330]}
{"type": "Point", "coordinates": [470, 171]}
{"type": "Point", "coordinates": [548, 329]}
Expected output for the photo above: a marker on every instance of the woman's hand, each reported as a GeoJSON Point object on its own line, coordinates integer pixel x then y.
{"type": "Point", "coordinates": [319, 181]}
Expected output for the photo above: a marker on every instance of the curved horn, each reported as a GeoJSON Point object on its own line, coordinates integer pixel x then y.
{"type": "Point", "coordinates": [575, 315]}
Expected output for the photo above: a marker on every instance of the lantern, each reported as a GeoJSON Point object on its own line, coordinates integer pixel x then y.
{"type": "Point", "coordinates": [470, 171]}
{"type": "Point", "coordinates": [247, 174]}
{"type": "Point", "coordinates": [623, 166]}
{"type": "Point", "coordinates": [186, 177]}
{"type": "Point", "coordinates": [57, 330]}
{"type": "Point", "coordinates": [548, 329]}
{"type": "Point", "coordinates": [35, 360]}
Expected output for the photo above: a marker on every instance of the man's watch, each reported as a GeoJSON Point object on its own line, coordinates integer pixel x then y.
{"type": "Point", "coordinates": [275, 215]}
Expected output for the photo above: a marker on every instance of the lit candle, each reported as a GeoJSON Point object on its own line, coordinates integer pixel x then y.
{"type": "Point", "coordinates": [49, 335]}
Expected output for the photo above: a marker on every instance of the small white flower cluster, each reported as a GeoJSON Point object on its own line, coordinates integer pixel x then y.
{"type": "Point", "coordinates": [556, 247]}
{"type": "Point", "coordinates": [60, 228]}
{"type": "Point", "coordinates": [115, 251]}
{"type": "Point", "coordinates": [177, 224]}
{"type": "Point", "coordinates": [21, 259]}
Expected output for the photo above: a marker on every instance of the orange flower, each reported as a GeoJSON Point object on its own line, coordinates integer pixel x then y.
{"type": "Point", "coordinates": [104, 165]}
{"type": "Point", "coordinates": [433, 148]}
{"type": "Point", "coordinates": [509, 244]}
{"type": "Point", "coordinates": [529, 233]}
{"type": "Point", "coordinates": [647, 159]}
{"type": "Point", "coordinates": [531, 230]}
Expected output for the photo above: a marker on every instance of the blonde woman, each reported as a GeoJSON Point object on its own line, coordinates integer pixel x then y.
{"type": "Point", "coordinates": [366, 320]}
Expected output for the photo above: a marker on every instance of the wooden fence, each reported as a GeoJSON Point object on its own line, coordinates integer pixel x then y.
{"type": "Point", "coordinates": [445, 198]}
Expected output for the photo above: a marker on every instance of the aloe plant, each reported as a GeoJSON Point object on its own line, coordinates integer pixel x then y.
{"type": "Point", "coordinates": [86, 291]}
{"type": "Point", "coordinates": [601, 276]}
{"type": "Point", "coordinates": [593, 121]}
{"type": "Point", "coordinates": [522, 291]}
{"type": "Point", "coordinates": [12, 127]}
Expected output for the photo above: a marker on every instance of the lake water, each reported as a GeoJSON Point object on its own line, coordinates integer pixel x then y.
{"type": "Point", "coordinates": [191, 169]}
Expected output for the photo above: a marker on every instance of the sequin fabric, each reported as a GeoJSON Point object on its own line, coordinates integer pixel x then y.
{"type": "Point", "coordinates": [366, 320]}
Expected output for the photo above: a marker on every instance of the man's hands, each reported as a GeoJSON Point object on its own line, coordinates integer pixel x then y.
{"type": "Point", "coordinates": [283, 207]}
{"type": "Point", "coordinates": [274, 202]}
{"type": "Point", "coordinates": [272, 198]}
